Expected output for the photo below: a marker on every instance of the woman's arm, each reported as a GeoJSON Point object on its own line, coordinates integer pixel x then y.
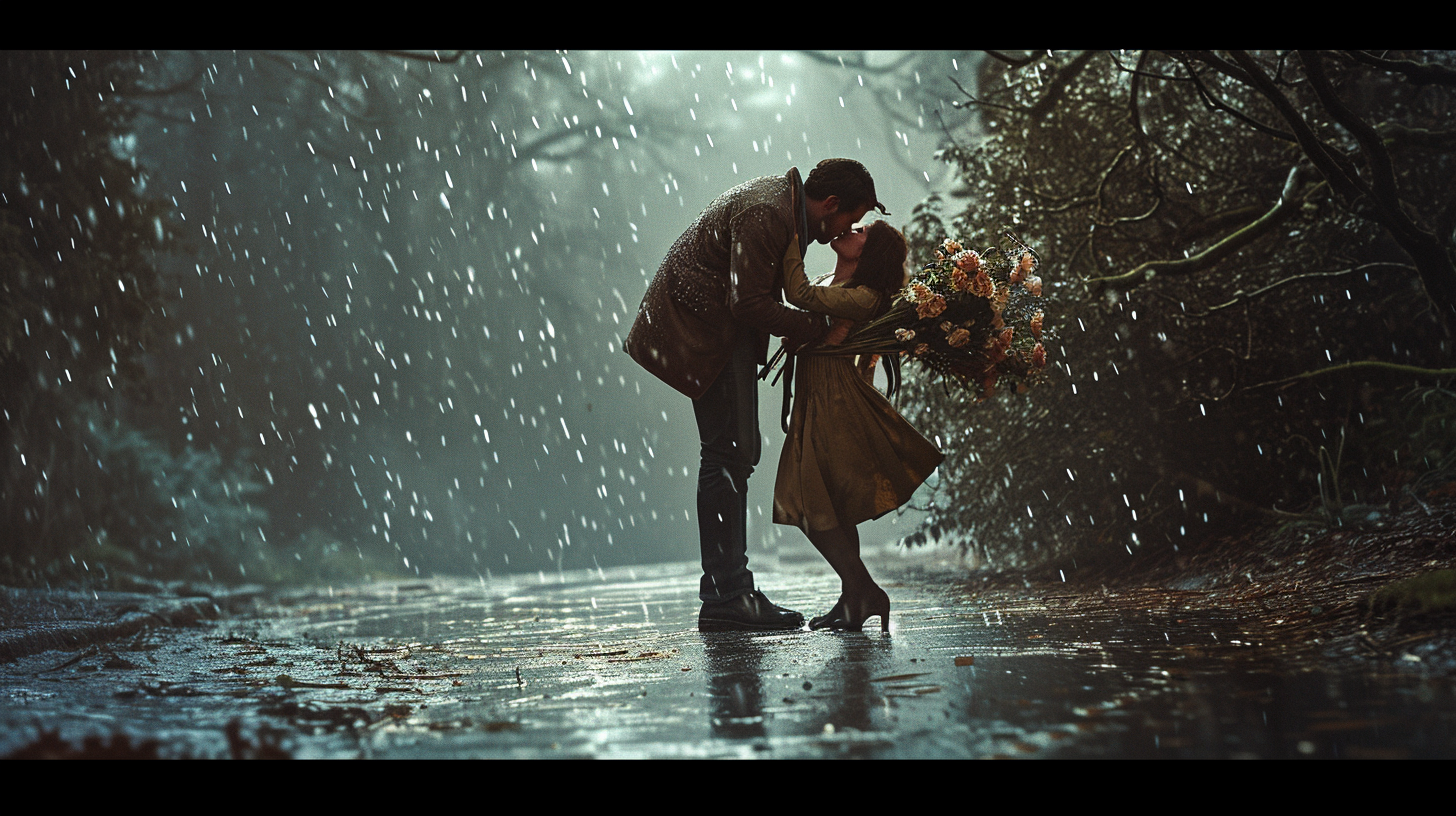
{"type": "Point", "coordinates": [858, 303]}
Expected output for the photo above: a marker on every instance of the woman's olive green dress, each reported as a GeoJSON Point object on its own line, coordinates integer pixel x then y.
{"type": "Point", "coordinates": [849, 456]}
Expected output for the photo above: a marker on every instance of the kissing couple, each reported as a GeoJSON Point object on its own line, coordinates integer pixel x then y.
{"type": "Point", "coordinates": [704, 327]}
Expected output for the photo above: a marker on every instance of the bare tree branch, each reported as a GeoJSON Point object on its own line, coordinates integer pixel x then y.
{"type": "Point", "coordinates": [1060, 83]}
{"type": "Point", "coordinates": [1402, 136]}
{"type": "Point", "coordinates": [1332, 164]}
{"type": "Point", "coordinates": [1213, 103]}
{"type": "Point", "coordinates": [1288, 204]}
{"type": "Point", "coordinates": [1241, 296]}
{"type": "Point", "coordinates": [426, 56]}
{"type": "Point", "coordinates": [1014, 62]}
{"type": "Point", "coordinates": [955, 103]}
{"type": "Point", "coordinates": [1421, 73]}
{"type": "Point", "coordinates": [1376, 365]}
{"type": "Point", "coordinates": [859, 63]}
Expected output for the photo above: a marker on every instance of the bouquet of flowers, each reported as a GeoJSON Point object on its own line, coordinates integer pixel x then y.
{"type": "Point", "coordinates": [973, 317]}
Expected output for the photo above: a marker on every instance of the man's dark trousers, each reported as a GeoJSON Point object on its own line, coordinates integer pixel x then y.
{"type": "Point", "coordinates": [727, 416]}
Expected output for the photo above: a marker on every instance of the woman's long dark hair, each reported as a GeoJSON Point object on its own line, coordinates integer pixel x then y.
{"type": "Point", "coordinates": [881, 263]}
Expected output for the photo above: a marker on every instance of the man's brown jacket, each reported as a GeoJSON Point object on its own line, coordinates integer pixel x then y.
{"type": "Point", "coordinates": [723, 277]}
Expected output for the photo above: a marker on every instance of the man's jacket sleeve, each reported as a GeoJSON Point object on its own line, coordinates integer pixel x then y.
{"type": "Point", "coordinates": [760, 237]}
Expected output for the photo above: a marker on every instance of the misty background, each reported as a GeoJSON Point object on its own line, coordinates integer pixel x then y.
{"type": "Point", "coordinates": [273, 316]}
{"type": "Point", "coordinates": [392, 289]}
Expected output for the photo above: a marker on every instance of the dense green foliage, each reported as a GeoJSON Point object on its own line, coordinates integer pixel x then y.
{"type": "Point", "coordinates": [1199, 259]}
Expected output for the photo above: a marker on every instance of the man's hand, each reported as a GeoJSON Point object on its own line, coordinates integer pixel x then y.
{"type": "Point", "coordinates": [838, 332]}
{"type": "Point", "coordinates": [816, 331]}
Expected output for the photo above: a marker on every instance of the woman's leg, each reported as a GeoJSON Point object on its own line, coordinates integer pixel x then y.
{"type": "Point", "coordinates": [860, 597]}
{"type": "Point", "coordinates": [840, 547]}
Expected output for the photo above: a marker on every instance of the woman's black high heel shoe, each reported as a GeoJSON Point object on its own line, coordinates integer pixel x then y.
{"type": "Point", "coordinates": [842, 620]}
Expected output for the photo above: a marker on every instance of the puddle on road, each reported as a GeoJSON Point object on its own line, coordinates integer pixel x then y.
{"type": "Point", "coordinates": [608, 664]}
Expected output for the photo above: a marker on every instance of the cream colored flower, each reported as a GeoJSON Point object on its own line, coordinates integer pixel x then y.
{"type": "Point", "coordinates": [904, 335]}
{"type": "Point", "coordinates": [1000, 298]}
{"type": "Point", "coordinates": [1033, 285]}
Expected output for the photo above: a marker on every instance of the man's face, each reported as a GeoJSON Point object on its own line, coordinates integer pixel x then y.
{"type": "Point", "coordinates": [838, 221]}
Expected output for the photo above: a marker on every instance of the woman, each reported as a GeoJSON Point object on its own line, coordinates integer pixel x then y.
{"type": "Point", "coordinates": [849, 456]}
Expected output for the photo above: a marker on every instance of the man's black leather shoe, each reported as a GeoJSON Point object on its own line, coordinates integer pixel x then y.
{"type": "Point", "coordinates": [750, 612]}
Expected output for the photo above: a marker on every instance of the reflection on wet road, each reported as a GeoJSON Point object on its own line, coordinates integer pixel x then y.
{"type": "Point", "coordinates": [608, 664]}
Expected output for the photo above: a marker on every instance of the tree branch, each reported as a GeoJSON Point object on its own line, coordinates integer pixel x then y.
{"type": "Point", "coordinates": [1206, 94]}
{"type": "Point", "coordinates": [1377, 365]}
{"type": "Point", "coordinates": [956, 103]}
{"type": "Point", "coordinates": [1421, 73]}
{"type": "Point", "coordinates": [1014, 62]}
{"type": "Point", "coordinates": [1060, 83]}
{"type": "Point", "coordinates": [1288, 204]}
{"type": "Point", "coordinates": [1336, 169]}
{"type": "Point", "coordinates": [425, 56]}
{"type": "Point", "coordinates": [1241, 296]}
{"type": "Point", "coordinates": [859, 63]}
{"type": "Point", "coordinates": [1400, 135]}
{"type": "Point", "coordinates": [1381, 171]}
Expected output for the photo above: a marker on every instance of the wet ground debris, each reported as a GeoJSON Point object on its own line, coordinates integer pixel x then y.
{"type": "Point", "coordinates": [49, 745]}
{"type": "Point", "coordinates": [344, 716]}
{"type": "Point", "coordinates": [288, 682]}
{"type": "Point", "coordinates": [355, 661]}
{"type": "Point", "coordinates": [267, 745]}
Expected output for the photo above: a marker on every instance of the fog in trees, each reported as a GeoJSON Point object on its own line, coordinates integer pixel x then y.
{"type": "Point", "coordinates": [272, 315]}
{"type": "Point", "coordinates": [377, 299]}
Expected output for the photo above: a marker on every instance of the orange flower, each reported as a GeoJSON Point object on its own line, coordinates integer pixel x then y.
{"type": "Point", "coordinates": [1033, 285]}
{"type": "Point", "coordinates": [1027, 264]}
{"type": "Point", "coordinates": [931, 307]}
{"type": "Point", "coordinates": [920, 292]}
{"type": "Point", "coordinates": [1004, 340]}
{"type": "Point", "coordinates": [1036, 325]}
{"type": "Point", "coordinates": [981, 285]}
{"type": "Point", "coordinates": [921, 349]}
{"type": "Point", "coordinates": [959, 338]}
{"type": "Point", "coordinates": [1038, 356]}
{"type": "Point", "coordinates": [951, 246]}
{"type": "Point", "coordinates": [969, 261]}
{"type": "Point", "coordinates": [959, 280]}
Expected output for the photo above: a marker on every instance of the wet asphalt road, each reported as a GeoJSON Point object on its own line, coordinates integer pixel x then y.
{"type": "Point", "coordinates": [608, 664]}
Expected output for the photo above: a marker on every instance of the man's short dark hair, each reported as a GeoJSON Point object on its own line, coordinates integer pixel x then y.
{"type": "Point", "coordinates": [845, 178]}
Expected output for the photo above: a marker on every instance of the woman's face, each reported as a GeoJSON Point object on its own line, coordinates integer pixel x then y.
{"type": "Point", "coordinates": [849, 245]}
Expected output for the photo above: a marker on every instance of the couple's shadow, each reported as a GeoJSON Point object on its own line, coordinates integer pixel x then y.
{"type": "Point", "coordinates": [839, 692]}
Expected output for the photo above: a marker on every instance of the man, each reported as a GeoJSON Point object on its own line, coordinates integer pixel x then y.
{"type": "Point", "coordinates": [704, 328]}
